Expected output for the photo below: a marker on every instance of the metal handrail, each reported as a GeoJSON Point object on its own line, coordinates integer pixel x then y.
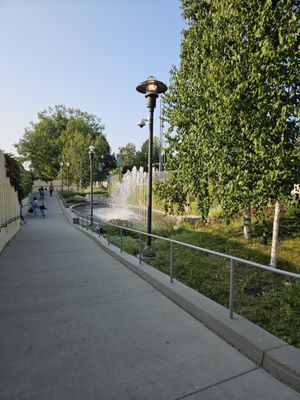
{"type": "Point", "coordinates": [232, 259]}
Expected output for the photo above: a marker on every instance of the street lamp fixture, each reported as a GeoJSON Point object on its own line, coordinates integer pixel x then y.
{"type": "Point", "coordinates": [151, 88]}
{"type": "Point", "coordinates": [91, 154]}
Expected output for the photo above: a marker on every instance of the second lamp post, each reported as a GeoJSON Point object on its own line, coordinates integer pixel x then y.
{"type": "Point", "coordinates": [68, 184]}
{"type": "Point", "coordinates": [91, 153]}
{"type": "Point", "coordinates": [151, 88]}
{"type": "Point", "coordinates": [62, 176]}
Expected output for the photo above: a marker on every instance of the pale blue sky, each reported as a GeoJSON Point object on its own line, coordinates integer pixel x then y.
{"type": "Point", "coordinates": [87, 54]}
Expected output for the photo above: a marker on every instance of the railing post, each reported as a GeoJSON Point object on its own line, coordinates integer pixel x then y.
{"type": "Point", "coordinates": [171, 262]}
{"type": "Point", "coordinates": [121, 246]}
{"type": "Point", "coordinates": [92, 224]}
{"type": "Point", "coordinates": [231, 289]}
{"type": "Point", "coordinates": [140, 250]}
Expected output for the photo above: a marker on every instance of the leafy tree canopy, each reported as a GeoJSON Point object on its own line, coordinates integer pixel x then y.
{"type": "Point", "coordinates": [233, 104]}
{"type": "Point", "coordinates": [142, 155]}
{"type": "Point", "coordinates": [20, 179]}
{"type": "Point", "coordinates": [63, 135]}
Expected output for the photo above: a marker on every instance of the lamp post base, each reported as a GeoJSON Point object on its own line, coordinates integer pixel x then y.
{"type": "Point", "coordinates": [148, 252]}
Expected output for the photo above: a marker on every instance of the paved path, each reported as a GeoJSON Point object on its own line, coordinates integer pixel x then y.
{"type": "Point", "coordinates": [78, 325]}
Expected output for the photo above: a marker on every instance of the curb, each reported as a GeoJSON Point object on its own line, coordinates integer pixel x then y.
{"type": "Point", "coordinates": [266, 350]}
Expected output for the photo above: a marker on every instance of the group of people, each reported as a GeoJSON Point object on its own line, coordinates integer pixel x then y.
{"type": "Point", "coordinates": [38, 204]}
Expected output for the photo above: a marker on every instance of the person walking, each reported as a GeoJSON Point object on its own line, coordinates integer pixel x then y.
{"type": "Point", "coordinates": [42, 209]}
{"type": "Point", "coordinates": [35, 205]}
{"type": "Point", "coordinates": [51, 189]}
{"type": "Point", "coordinates": [21, 213]}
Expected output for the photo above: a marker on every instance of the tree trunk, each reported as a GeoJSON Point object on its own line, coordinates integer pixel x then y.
{"type": "Point", "coordinates": [275, 234]}
{"type": "Point", "coordinates": [247, 223]}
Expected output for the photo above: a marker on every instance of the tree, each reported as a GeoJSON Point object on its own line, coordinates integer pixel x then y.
{"type": "Point", "coordinates": [77, 138]}
{"type": "Point", "coordinates": [61, 133]}
{"type": "Point", "coordinates": [142, 155]}
{"type": "Point", "coordinates": [20, 179]}
{"type": "Point", "coordinates": [41, 144]}
{"type": "Point", "coordinates": [129, 156]}
{"type": "Point", "coordinates": [232, 105]}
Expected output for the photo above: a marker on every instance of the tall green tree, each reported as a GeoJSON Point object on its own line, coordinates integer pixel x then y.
{"type": "Point", "coordinates": [142, 154]}
{"type": "Point", "coordinates": [129, 155]}
{"type": "Point", "coordinates": [63, 134]}
{"type": "Point", "coordinates": [77, 137]}
{"type": "Point", "coordinates": [233, 104]}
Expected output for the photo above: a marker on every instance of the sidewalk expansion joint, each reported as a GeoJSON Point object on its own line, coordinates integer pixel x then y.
{"type": "Point", "coordinates": [186, 396]}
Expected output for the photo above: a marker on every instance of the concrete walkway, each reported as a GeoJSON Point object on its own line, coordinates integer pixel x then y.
{"type": "Point", "coordinates": [75, 324]}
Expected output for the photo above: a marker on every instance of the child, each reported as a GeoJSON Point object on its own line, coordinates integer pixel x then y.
{"type": "Point", "coordinates": [42, 209]}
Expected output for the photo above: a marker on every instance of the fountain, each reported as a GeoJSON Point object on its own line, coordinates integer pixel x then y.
{"type": "Point", "coordinates": [128, 199]}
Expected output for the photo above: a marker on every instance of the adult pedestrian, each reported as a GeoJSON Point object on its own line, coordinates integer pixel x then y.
{"type": "Point", "coordinates": [35, 205]}
{"type": "Point", "coordinates": [51, 189]}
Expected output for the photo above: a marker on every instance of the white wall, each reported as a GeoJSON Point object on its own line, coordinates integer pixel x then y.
{"type": "Point", "coordinates": [9, 206]}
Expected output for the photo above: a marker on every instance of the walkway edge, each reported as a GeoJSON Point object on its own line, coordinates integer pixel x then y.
{"type": "Point", "coordinates": [266, 350]}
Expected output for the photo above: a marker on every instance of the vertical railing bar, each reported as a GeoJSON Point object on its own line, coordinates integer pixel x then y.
{"type": "Point", "coordinates": [140, 250]}
{"type": "Point", "coordinates": [121, 246]}
{"type": "Point", "coordinates": [231, 289]}
{"type": "Point", "coordinates": [171, 262]}
{"type": "Point", "coordinates": [99, 227]}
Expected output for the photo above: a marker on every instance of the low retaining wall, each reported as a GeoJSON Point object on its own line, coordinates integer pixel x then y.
{"type": "Point", "coordinates": [9, 207]}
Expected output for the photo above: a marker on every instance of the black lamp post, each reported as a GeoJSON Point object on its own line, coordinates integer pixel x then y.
{"type": "Point", "coordinates": [121, 157]}
{"type": "Point", "coordinates": [68, 167]}
{"type": "Point", "coordinates": [91, 153]}
{"type": "Point", "coordinates": [62, 176]}
{"type": "Point", "coordinates": [151, 88]}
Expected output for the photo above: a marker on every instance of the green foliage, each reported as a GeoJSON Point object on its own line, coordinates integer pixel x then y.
{"type": "Point", "coordinates": [232, 106]}
{"type": "Point", "coordinates": [131, 157]}
{"type": "Point", "coordinates": [172, 193]}
{"type": "Point", "coordinates": [25, 184]}
{"type": "Point", "coordinates": [64, 134]}
{"type": "Point", "coordinates": [142, 155]}
{"type": "Point", "coordinates": [20, 179]}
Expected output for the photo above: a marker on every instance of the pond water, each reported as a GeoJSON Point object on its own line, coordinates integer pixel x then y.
{"type": "Point", "coordinates": [110, 212]}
